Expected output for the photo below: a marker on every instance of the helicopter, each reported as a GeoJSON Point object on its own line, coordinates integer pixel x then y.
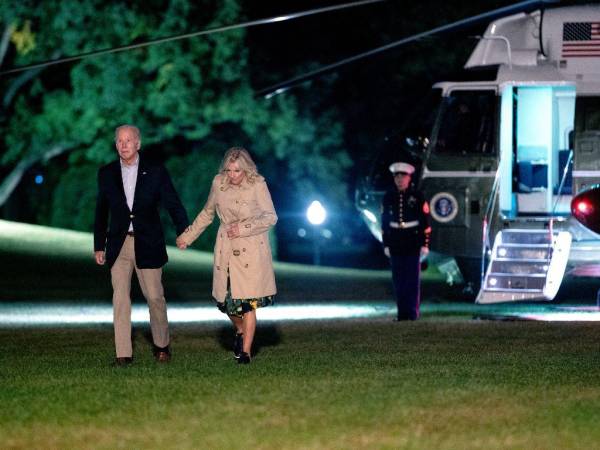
{"type": "Point", "coordinates": [507, 152]}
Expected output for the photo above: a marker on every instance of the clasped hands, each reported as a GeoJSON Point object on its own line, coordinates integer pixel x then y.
{"type": "Point", "coordinates": [180, 242]}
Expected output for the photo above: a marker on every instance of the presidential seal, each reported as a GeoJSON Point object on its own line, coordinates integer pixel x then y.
{"type": "Point", "coordinates": [444, 207]}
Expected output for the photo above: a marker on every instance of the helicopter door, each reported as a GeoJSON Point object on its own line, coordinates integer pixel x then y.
{"type": "Point", "coordinates": [536, 150]}
{"type": "Point", "coordinates": [460, 168]}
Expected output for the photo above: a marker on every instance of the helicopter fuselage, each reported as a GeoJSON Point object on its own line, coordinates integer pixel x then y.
{"type": "Point", "coordinates": [512, 151]}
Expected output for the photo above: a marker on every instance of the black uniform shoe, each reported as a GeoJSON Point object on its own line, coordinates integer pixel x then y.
{"type": "Point", "coordinates": [244, 358]}
{"type": "Point", "coordinates": [238, 343]}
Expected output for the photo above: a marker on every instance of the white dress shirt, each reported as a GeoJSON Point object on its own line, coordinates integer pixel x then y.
{"type": "Point", "coordinates": [129, 176]}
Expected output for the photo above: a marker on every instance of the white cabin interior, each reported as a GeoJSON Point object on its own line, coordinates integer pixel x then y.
{"type": "Point", "coordinates": [536, 128]}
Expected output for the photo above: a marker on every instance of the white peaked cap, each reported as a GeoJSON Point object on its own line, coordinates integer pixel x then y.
{"type": "Point", "coordinates": [402, 167]}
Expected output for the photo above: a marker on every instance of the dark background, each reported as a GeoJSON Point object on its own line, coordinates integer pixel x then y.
{"type": "Point", "coordinates": [371, 101]}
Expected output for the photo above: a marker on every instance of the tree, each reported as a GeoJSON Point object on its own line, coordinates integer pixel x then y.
{"type": "Point", "coordinates": [191, 99]}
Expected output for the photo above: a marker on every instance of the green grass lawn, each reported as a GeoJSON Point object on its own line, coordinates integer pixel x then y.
{"type": "Point", "coordinates": [440, 383]}
{"type": "Point", "coordinates": [444, 382]}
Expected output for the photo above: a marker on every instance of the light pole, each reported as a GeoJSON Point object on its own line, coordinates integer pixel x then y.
{"type": "Point", "coordinates": [316, 215]}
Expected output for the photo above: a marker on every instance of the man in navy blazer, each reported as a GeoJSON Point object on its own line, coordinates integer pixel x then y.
{"type": "Point", "coordinates": [128, 236]}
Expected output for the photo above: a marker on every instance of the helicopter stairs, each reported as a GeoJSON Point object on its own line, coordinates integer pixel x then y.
{"type": "Point", "coordinates": [525, 265]}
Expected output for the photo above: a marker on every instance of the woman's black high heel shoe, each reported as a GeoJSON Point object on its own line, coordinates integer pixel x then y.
{"type": "Point", "coordinates": [244, 358]}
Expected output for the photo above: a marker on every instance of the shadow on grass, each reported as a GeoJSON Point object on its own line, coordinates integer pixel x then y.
{"type": "Point", "coordinates": [266, 336]}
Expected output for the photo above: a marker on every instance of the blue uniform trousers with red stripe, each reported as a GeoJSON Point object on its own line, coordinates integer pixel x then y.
{"type": "Point", "coordinates": [406, 274]}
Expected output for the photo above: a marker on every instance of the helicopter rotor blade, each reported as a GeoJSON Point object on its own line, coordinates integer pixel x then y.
{"type": "Point", "coordinates": [523, 6]}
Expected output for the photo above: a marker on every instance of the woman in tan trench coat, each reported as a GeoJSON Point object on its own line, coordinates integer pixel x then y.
{"type": "Point", "coordinates": [243, 278]}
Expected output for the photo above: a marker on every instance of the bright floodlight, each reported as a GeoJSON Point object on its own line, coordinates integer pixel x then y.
{"type": "Point", "coordinates": [315, 213]}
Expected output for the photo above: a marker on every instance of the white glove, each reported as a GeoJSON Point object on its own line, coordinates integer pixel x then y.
{"type": "Point", "coordinates": [424, 253]}
{"type": "Point", "coordinates": [386, 251]}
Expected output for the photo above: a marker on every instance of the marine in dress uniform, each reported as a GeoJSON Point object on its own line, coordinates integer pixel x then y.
{"type": "Point", "coordinates": [405, 223]}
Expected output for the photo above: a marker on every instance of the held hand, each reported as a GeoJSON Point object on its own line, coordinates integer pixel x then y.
{"type": "Point", "coordinates": [386, 251]}
{"type": "Point", "coordinates": [181, 244]}
{"type": "Point", "coordinates": [180, 241]}
{"type": "Point", "coordinates": [100, 258]}
{"type": "Point", "coordinates": [233, 231]}
{"type": "Point", "coordinates": [424, 253]}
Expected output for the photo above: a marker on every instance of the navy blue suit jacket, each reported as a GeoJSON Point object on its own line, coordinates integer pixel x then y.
{"type": "Point", "coordinates": [153, 189]}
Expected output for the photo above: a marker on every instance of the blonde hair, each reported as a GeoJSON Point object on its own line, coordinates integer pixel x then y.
{"type": "Point", "coordinates": [244, 161]}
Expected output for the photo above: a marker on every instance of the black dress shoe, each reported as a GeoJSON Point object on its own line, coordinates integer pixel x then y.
{"type": "Point", "coordinates": [163, 356]}
{"type": "Point", "coordinates": [238, 343]}
{"type": "Point", "coordinates": [122, 361]}
{"type": "Point", "coordinates": [244, 358]}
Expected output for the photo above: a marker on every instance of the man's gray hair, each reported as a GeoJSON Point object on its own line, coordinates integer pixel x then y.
{"type": "Point", "coordinates": [136, 131]}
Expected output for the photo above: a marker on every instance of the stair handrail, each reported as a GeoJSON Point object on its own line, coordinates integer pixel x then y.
{"type": "Point", "coordinates": [553, 213]}
{"type": "Point", "coordinates": [485, 228]}
{"type": "Point", "coordinates": [562, 182]}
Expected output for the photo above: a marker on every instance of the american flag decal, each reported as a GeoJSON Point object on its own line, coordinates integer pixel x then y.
{"type": "Point", "coordinates": [581, 39]}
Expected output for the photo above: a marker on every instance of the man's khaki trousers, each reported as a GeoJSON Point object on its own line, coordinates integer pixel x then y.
{"type": "Point", "coordinates": [151, 284]}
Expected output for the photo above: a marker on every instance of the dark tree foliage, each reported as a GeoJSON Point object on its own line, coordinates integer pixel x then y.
{"type": "Point", "coordinates": [191, 98]}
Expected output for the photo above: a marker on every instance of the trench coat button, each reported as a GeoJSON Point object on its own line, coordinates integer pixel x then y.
{"type": "Point", "coordinates": [246, 266]}
{"type": "Point", "coordinates": [236, 202]}
{"type": "Point", "coordinates": [243, 249]}
{"type": "Point", "coordinates": [131, 216]}
{"type": "Point", "coordinates": [236, 253]}
{"type": "Point", "coordinates": [218, 268]}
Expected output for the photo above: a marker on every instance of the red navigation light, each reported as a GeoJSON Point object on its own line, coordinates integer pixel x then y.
{"type": "Point", "coordinates": [583, 207]}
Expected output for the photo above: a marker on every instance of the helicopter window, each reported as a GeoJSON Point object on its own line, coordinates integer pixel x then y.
{"type": "Point", "coordinates": [588, 114]}
{"type": "Point", "coordinates": [467, 123]}
{"type": "Point", "coordinates": [413, 136]}
{"type": "Point", "coordinates": [587, 136]}
{"type": "Point", "coordinates": [407, 143]}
